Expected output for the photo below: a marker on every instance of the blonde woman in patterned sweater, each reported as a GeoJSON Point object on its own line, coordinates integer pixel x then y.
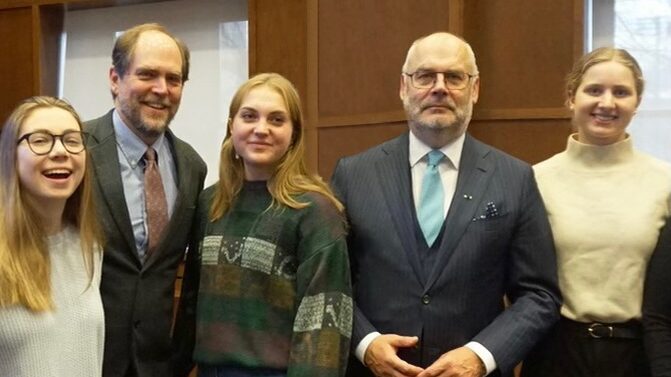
{"type": "Point", "coordinates": [271, 269]}
{"type": "Point", "coordinates": [51, 314]}
{"type": "Point", "coordinates": [606, 203]}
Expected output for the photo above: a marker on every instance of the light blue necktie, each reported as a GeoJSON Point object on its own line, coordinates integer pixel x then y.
{"type": "Point", "coordinates": [432, 198]}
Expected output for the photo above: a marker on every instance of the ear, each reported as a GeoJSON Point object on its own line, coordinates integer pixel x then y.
{"type": "Point", "coordinates": [571, 102]}
{"type": "Point", "coordinates": [114, 79]}
{"type": "Point", "coordinates": [402, 87]}
{"type": "Point", "coordinates": [475, 92]}
{"type": "Point", "coordinates": [229, 126]}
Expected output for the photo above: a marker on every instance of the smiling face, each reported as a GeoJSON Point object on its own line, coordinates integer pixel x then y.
{"type": "Point", "coordinates": [437, 115]}
{"type": "Point", "coordinates": [49, 180]}
{"type": "Point", "coordinates": [149, 94]}
{"type": "Point", "coordinates": [261, 132]}
{"type": "Point", "coordinates": [604, 103]}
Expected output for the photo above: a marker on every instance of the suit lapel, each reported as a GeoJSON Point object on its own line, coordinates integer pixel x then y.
{"type": "Point", "coordinates": [108, 174]}
{"type": "Point", "coordinates": [394, 174]}
{"type": "Point", "coordinates": [475, 170]}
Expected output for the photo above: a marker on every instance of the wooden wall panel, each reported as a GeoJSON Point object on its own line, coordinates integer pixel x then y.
{"type": "Point", "coordinates": [336, 142]}
{"type": "Point", "coordinates": [531, 140]}
{"type": "Point", "coordinates": [362, 46]}
{"type": "Point", "coordinates": [281, 39]}
{"type": "Point", "coordinates": [524, 50]}
{"type": "Point", "coordinates": [16, 61]}
{"type": "Point", "coordinates": [278, 40]}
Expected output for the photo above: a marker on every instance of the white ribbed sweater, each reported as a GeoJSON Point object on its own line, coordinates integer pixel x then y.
{"type": "Point", "coordinates": [66, 342]}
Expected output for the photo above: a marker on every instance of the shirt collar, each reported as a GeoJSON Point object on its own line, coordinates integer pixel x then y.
{"type": "Point", "coordinates": [132, 146]}
{"type": "Point", "coordinates": [452, 150]}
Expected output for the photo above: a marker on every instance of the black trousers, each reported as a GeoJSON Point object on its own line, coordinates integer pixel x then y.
{"type": "Point", "coordinates": [570, 351]}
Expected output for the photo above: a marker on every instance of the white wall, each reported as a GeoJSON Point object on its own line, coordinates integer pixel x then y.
{"type": "Point", "coordinates": [214, 30]}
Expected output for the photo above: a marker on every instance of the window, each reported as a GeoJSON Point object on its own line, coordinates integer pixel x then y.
{"type": "Point", "coordinates": [642, 27]}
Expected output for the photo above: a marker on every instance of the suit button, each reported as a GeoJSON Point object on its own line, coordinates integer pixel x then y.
{"type": "Point", "coordinates": [426, 299]}
{"type": "Point", "coordinates": [136, 324]}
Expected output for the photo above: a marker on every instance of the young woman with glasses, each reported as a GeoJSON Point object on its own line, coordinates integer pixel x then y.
{"type": "Point", "coordinates": [51, 314]}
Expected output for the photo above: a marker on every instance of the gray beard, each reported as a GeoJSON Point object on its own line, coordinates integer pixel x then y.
{"type": "Point", "coordinates": [459, 121]}
{"type": "Point", "coordinates": [142, 127]}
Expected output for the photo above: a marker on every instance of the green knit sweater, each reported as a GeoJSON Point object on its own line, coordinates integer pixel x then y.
{"type": "Point", "coordinates": [275, 287]}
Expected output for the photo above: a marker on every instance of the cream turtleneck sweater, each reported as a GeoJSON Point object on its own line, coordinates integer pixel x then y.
{"type": "Point", "coordinates": [606, 205]}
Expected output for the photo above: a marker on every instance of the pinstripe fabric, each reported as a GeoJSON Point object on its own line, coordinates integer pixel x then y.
{"type": "Point", "coordinates": [497, 242]}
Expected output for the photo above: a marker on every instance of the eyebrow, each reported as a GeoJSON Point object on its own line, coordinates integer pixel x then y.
{"type": "Point", "coordinates": [272, 112]}
{"type": "Point", "coordinates": [154, 69]}
{"type": "Point", "coordinates": [44, 130]}
{"type": "Point", "coordinates": [588, 84]}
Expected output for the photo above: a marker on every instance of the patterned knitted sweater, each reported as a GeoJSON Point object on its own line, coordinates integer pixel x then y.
{"type": "Point", "coordinates": [275, 287]}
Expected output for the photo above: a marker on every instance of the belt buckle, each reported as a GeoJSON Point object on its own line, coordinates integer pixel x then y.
{"type": "Point", "coordinates": [599, 330]}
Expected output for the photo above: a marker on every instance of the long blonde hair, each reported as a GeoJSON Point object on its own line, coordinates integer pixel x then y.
{"type": "Point", "coordinates": [291, 176]}
{"type": "Point", "coordinates": [24, 260]}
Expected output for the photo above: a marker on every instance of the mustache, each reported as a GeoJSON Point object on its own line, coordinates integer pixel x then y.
{"type": "Point", "coordinates": [157, 101]}
{"type": "Point", "coordinates": [446, 105]}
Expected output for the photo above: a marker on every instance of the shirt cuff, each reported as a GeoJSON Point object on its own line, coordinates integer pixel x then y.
{"type": "Point", "coordinates": [360, 350]}
{"type": "Point", "coordinates": [483, 353]}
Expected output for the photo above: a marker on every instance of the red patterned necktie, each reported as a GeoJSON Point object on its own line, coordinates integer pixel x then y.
{"type": "Point", "coordinates": [155, 201]}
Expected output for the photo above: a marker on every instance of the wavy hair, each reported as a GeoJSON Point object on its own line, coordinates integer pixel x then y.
{"type": "Point", "coordinates": [291, 177]}
{"type": "Point", "coordinates": [24, 256]}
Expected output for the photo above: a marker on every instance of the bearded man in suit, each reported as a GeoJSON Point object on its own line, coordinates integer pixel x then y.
{"type": "Point", "coordinates": [141, 256]}
{"type": "Point", "coordinates": [442, 229]}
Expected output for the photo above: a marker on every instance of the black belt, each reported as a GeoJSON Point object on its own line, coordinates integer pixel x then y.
{"type": "Point", "coordinates": [597, 330]}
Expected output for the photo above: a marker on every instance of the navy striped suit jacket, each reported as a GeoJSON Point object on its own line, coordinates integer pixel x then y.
{"type": "Point", "coordinates": [484, 255]}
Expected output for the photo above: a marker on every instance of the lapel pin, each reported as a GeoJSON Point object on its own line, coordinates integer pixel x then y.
{"type": "Point", "coordinates": [468, 197]}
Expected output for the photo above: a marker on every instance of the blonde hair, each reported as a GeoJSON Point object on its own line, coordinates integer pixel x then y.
{"type": "Point", "coordinates": [602, 55]}
{"type": "Point", "coordinates": [24, 259]}
{"type": "Point", "coordinates": [291, 176]}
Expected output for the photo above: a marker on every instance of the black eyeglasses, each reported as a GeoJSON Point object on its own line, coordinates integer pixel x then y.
{"type": "Point", "coordinates": [42, 142]}
{"type": "Point", "coordinates": [454, 80]}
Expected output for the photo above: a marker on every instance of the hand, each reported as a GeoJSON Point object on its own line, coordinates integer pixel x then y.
{"type": "Point", "coordinates": [460, 362]}
{"type": "Point", "coordinates": [382, 360]}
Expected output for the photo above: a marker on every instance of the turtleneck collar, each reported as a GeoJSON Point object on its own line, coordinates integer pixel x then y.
{"type": "Point", "coordinates": [255, 185]}
{"type": "Point", "coordinates": [600, 156]}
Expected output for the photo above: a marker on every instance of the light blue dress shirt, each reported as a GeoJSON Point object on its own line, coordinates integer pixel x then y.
{"type": "Point", "coordinates": [131, 149]}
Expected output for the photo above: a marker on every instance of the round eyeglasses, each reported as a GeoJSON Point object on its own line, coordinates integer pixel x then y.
{"type": "Point", "coordinates": [42, 142]}
{"type": "Point", "coordinates": [454, 80]}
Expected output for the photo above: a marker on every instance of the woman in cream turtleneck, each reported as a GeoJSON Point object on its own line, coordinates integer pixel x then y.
{"type": "Point", "coordinates": [606, 203]}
